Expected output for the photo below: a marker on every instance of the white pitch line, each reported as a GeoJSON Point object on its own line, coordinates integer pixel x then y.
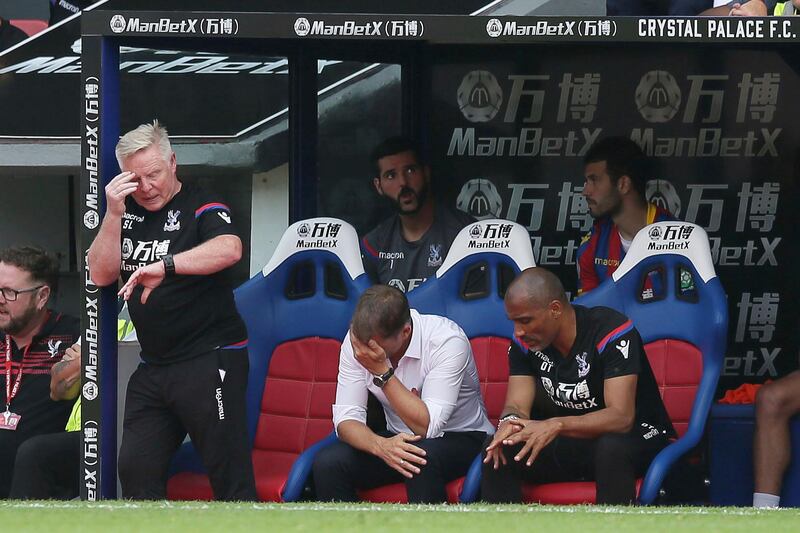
{"type": "Point", "coordinates": [354, 508]}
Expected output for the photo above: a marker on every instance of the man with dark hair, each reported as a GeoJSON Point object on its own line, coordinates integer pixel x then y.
{"type": "Point", "coordinates": [610, 421]}
{"type": "Point", "coordinates": [616, 170]}
{"type": "Point", "coordinates": [407, 248]}
{"type": "Point", "coordinates": [33, 338]}
{"type": "Point", "coordinates": [421, 369]}
{"type": "Point", "coordinates": [172, 243]}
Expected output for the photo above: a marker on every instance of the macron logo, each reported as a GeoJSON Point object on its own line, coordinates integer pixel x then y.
{"type": "Point", "coordinates": [623, 346]}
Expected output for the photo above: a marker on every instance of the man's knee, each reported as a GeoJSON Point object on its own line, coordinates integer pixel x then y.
{"type": "Point", "coordinates": [613, 447]}
{"type": "Point", "coordinates": [777, 399]}
{"type": "Point", "coordinates": [30, 453]}
{"type": "Point", "coordinates": [332, 459]}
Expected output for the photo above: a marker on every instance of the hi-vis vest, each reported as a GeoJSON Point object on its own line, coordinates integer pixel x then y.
{"type": "Point", "coordinates": [786, 9]}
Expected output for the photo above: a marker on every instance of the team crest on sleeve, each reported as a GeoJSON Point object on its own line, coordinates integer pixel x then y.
{"type": "Point", "coordinates": [172, 223]}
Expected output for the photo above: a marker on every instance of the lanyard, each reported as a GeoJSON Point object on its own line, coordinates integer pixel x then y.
{"type": "Point", "coordinates": [12, 392]}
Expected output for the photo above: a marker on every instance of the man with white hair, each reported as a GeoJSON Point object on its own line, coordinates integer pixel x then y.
{"type": "Point", "coordinates": [172, 242]}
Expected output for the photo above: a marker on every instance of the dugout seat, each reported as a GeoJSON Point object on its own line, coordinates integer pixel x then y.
{"type": "Point", "coordinates": [30, 26]}
{"type": "Point", "coordinates": [667, 285]}
{"type": "Point", "coordinates": [297, 311]}
{"type": "Point", "coordinates": [469, 288]}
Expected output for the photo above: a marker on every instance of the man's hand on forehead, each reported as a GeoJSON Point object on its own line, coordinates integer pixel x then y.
{"type": "Point", "coordinates": [370, 355]}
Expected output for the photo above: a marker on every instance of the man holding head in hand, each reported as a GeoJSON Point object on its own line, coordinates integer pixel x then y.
{"type": "Point", "coordinates": [421, 369]}
{"type": "Point", "coordinates": [172, 242]}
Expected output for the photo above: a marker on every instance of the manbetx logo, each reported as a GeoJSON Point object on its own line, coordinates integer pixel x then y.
{"type": "Point", "coordinates": [349, 28]}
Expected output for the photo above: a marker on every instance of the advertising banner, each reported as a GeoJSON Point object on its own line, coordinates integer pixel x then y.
{"type": "Point", "coordinates": [720, 128]}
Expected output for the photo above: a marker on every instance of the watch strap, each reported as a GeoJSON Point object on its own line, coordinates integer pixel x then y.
{"type": "Point", "coordinates": [169, 265]}
{"type": "Point", "coordinates": [381, 379]}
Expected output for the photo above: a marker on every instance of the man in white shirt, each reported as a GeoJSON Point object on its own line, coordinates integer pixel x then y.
{"type": "Point", "coordinates": [421, 369]}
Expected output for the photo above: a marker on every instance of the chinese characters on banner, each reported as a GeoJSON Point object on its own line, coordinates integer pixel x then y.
{"type": "Point", "coordinates": [509, 137]}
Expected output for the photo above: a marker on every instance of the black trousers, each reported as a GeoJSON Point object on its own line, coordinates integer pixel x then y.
{"type": "Point", "coordinates": [613, 461]}
{"type": "Point", "coordinates": [48, 467]}
{"type": "Point", "coordinates": [163, 403]}
{"type": "Point", "coordinates": [340, 469]}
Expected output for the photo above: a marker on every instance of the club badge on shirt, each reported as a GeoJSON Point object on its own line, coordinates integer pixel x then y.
{"type": "Point", "coordinates": [172, 223]}
{"type": "Point", "coordinates": [583, 365]}
{"type": "Point", "coordinates": [435, 255]}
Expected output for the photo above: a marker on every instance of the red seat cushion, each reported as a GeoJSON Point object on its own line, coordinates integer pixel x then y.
{"type": "Point", "coordinates": [189, 486]}
{"type": "Point", "coordinates": [491, 360]}
{"type": "Point", "coordinates": [295, 412]}
{"type": "Point", "coordinates": [678, 368]}
{"type": "Point", "coordinates": [396, 492]}
{"type": "Point", "coordinates": [29, 26]}
{"type": "Point", "coordinates": [569, 493]}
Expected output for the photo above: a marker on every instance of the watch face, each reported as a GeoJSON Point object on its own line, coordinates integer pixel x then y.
{"type": "Point", "coordinates": [378, 382]}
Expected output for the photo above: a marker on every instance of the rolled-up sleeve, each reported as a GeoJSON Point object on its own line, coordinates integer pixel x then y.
{"type": "Point", "coordinates": [443, 382]}
{"type": "Point", "coordinates": [351, 388]}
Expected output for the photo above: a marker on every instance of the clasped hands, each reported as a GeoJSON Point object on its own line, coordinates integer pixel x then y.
{"type": "Point", "coordinates": [535, 434]}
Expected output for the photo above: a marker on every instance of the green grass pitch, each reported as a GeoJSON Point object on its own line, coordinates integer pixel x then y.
{"type": "Point", "coordinates": [195, 517]}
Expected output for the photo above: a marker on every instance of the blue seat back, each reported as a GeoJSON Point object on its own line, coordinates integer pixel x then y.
{"type": "Point", "coordinates": [309, 288]}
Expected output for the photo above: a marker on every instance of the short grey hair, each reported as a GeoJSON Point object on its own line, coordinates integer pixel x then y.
{"type": "Point", "coordinates": [142, 137]}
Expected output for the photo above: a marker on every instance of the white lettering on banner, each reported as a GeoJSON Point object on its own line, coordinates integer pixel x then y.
{"type": "Point", "coordinates": [91, 98]}
{"type": "Point", "coordinates": [752, 365]}
{"type": "Point", "coordinates": [714, 205]}
{"type": "Point", "coordinates": [736, 28]}
{"type": "Point", "coordinates": [753, 253]}
{"type": "Point", "coordinates": [163, 25]}
{"type": "Point", "coordinates": [529, 143]}
{"type": "Point", "coordinates": [669, 27]}
{"type": "Point", "coordinates": [760, 203]}
{"type": "Point", "coordinates": [348, 28]}
{"type": "Point", "coordinates": [554, 255]}
{"type": "Point", "coordinates": [90, 341]}
{"type": "Point", "coordinates": [540, 28]}
{"type": "Point", "coordinates": [759, 317]}
{"type": "Point", "coordinates": [708, 143]}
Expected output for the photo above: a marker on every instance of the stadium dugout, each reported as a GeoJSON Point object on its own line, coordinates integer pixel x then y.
{"type": "Point", "coordinates": [497, 127]}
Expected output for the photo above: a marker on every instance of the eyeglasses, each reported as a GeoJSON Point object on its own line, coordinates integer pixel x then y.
{"type": "Point", "coordinates": [11, 294]}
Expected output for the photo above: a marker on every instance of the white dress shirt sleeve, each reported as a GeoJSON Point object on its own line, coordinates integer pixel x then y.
{"type": "Point", "coordinates": [442, 383]}
{"type": "Point", "coordinates": [351, 388]}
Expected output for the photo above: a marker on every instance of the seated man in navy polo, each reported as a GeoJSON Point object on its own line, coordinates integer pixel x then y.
{"type": "Point", "coordinates": [408, 247]}
{"type": "Point", "coordinates": [421, 369]}
{"type": "Point", "coordinates": [610, 421]}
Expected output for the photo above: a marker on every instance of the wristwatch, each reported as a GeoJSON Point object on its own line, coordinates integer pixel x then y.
{"type": "Point", "coordinates": [169, 265]}
{"type": "Point", "coordinates": [381, 379]}
{"type": "Point", "coordinates": [506, 418]}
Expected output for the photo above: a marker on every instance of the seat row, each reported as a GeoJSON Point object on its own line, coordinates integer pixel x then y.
{"type": "Point", "coordinates": [297, 311]}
